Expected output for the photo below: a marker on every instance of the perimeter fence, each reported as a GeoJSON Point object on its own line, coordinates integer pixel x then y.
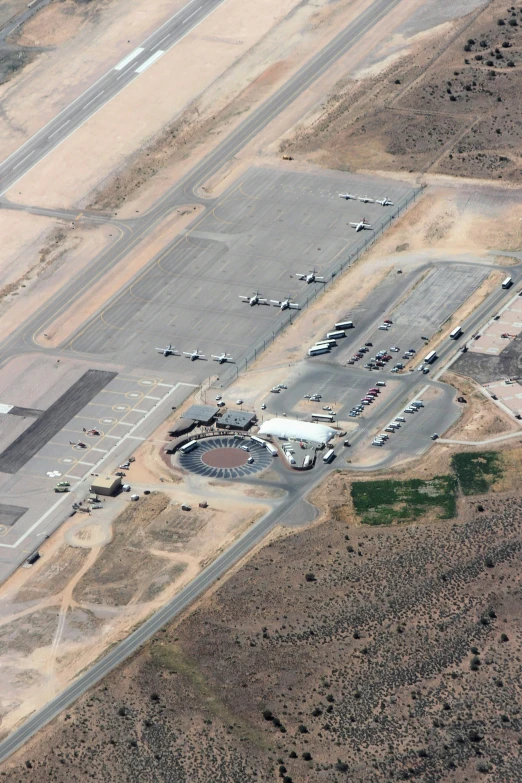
{"type": "Point", "coordinates": [365, 243]}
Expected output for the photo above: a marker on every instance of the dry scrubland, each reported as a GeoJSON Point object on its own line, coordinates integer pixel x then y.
{"type": "Point", "coordinates": [344, 652]}
{"type": "Point", "coordinates": [453, 107]}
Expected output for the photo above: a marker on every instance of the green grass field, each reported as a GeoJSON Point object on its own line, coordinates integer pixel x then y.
{"type": "Point", "coordinates": [386, 502]}
{"type": "Point", "coordinates": [477, 471]}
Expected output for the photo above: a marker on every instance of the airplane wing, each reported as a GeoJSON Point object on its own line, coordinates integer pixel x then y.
{"type": "Point", "coordinates": [295, 306]}
{"type": "Point", "coordinates": [245, 298]}
{"type": "Point", "coordinates": [354, 224]}
{"type": "Point", "coordinates": [262, 301]}
{"type": "Point", "coordinates": [275, 302]}
{"type": "Point", "coordinates": [216, 357]}
{"type": "Point", "coordinates": [321, 279]}
{"type": "Point", "coordinates": [301, 277]}
{"type": "Point", "coordinates": [186, 353]}
{"type": "Point", "coordinates": [201, 355]}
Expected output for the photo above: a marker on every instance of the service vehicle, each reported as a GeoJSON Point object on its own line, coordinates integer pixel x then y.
{"type": "Point", "coordinates": [417, 404]}
{"type": "Point", "coordinates": [400, 418]}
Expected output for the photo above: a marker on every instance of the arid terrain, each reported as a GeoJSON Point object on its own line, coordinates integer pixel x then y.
{"type": "Point", "coordinates": [452, 107]}
{"type": "Point", "coordinates": [341, 653]}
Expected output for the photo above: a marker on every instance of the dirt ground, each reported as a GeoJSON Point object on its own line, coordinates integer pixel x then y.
{"type": "Point", "coordinates": [340, 652]}
{"type": "Point", "coordinates": [450, 106]}
{"type": "Point", "coordinates": [101, 575]}
{"type": "Point", "coordinates": [481, 419]}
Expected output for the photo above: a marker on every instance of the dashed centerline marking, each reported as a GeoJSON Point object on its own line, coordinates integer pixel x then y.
{"type": "Point", "coordinates": [58, 129]}
{"type": "Point", "coordinates": [93, 99]}
{"type": "Point", "coordinates": [24, 159]}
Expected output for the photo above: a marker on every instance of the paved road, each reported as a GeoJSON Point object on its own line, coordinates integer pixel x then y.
{"type": "Point", "coordinates": [100, 93]}
{"type": "Point", "coordinates": [292, 508]}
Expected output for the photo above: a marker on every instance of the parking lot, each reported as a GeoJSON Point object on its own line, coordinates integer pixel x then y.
{"type": "Point", "coordinates": [509, 393]}
{"type": "Point", "coordinates": [508, 324]}
{"type": "Point", "coordinates": [261, 233]}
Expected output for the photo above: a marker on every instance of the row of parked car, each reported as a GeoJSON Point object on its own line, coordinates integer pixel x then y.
{"type": "Point", "coordinates": [395, 425]}
{"type": "Point", "coordinates": [367, 399]}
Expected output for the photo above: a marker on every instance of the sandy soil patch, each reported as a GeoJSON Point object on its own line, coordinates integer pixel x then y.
{"type": "Point", "coordinates": [52, 259]}
{"type": "Point", "coordinates": [105, 34]}
{"type": "Point", "coordinates": [147, 105]}
{"type": "Point", "coordinates": [99, 577]}
{"type": "Point", "coordinates": [480, 418]}
{"type": "Point", "coordinates": [55, 332]}
{"type": "Point", "coordinates": [53, 25]}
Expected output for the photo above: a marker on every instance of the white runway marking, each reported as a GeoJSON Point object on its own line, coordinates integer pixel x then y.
{"type": "Point", "coordinates": [58, 129]}
{"type": "Point", "coordinates": [150, 61]}
{"type": "Point", "coordinates": [130, 57]}
{"type": "Point", "coordinates": [93, 99]}
{"type": "Point", "coordinates": [24, 159]}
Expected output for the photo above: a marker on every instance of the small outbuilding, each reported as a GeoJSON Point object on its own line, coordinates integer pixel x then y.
{"type": "Point", "coordinates": [106, 485]}
{"type": "Point", "coordinates": [202, 414]}
{"type": "Point", "coordinates": [236, 420]}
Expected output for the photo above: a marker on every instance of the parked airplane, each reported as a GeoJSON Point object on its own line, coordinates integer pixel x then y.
{"type": "Point", "coordinates": [194, 355]}
{"type": "Point", "coordinates": [254, 299]}
{"type": "Point", "coordinates": [366, 199]}
{"type": "Point", "coordinates": [347, 196]}
{"type": "Point", "coordinates": [311, 277]}
{"type": "Point", "coordinates": [286, 304]}
{"type": "Point", "coordinates": [222, 358]}
{"type": "Point", "coordinates": [169, 350]}
{"type": "Point", "coordinates": [361, 225]}
{"type": "Point", "coordinates": [384, 202]}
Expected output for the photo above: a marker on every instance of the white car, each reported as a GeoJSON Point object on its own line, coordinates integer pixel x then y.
{"type": "Point", "coordinates": [218, 397]}
{"type": "Point", "coordinates": [221, 403]}
{"type": "Point", "coordinates": [134, 497]}
{"type": "Point", "coordinates": [395, 349]}
{"type": "Point", "coordinates": [239, 402]}
{"type": "Point", "coordinates": [263, 407]}
{"type": "Point", "coordinates": [250, 460]}
{"type": "Point", "coordinates": [244, 447]}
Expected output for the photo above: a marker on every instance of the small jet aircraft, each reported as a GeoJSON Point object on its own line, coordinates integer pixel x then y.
{"type": "Point", "coordinates": [311, 277]}
{"type": "Point", "coordinates": [362, 225]}
{"type": "Point", "coordinates": [366, 199]}
{"type": "Point", "coordinates": [254, 299]}
{"type": "Point", "coordinates": [192, 355]}
{"type": "Point", "coordinates": [384, 202]}
{"type": "Point", "coordinates": [222, 358]}
{"type": "Point", "coordinates": [347, 196]}
{"type": "Point", "coordinates": [169, 350]}
{"type": "Point", "coordinates": [286, 304]}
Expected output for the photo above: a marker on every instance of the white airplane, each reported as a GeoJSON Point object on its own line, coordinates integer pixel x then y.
{"type": "Point", "coordinates": [347, 196]}
{"type": "Point", "coordinates": [285, 304]}
{"type": "Point", "coordinates": [366, 199]}
{"type": "Point", "coordinates": [254, 299]}
{"type": "Point", "coordinates": [384, 202]}
{"type": "Point", "coordinates": [194, 355]}
{"type": "Point", "coordinates": [169, 350]}
{"type": "Point", "coordinates": [311, 277]}
{"type": "Point", "coordinates": [361, 225]}
{"type": "Point", "coordinates": [222, 358]}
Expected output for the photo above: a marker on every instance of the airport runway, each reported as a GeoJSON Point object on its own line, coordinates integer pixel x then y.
{"type": "Point", "coordinates": [292, 508]}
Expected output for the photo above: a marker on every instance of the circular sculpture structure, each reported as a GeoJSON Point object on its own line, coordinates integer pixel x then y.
{"type": "Point", "coordinates": [223, 458]}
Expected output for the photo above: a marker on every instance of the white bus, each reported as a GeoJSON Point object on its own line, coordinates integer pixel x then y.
{"type": "Point", "coordinates": [328, 456]}
{"type": "Point", "coordinates": [258, 440]}
{"type": "Point", "coordinates": [335, 335]}
{"type": "Point", "coordinates": [271, 449]}
{"type": "Point", "coordinates": [323, 417]}
{"type": "Point", "coordinates": [455, 334]}
{"type": "Point", "coordinates": [430, 358]}
{"type": "Point", "coordinates": [344, 325]}
{"type": "Point", "coordinates": [317, 349]}
{"type": "Point", "coordinates": [330, 343]}
{"type": "Point", "coordinates": [193, 444]}
{"type": "Point", "coordinates": [307, 461]}
{"type": "Point", "coordinates": [508, 282]}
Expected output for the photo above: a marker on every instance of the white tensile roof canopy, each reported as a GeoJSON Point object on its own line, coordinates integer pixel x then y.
{"type": "Point", "coordinates": [298, 430]}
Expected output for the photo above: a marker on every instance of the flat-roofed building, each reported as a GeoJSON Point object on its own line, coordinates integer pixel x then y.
{"type": "Point", "coordinates": [236, 420]}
